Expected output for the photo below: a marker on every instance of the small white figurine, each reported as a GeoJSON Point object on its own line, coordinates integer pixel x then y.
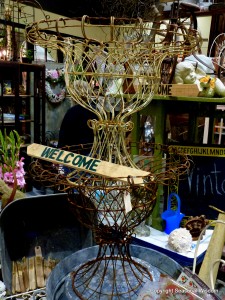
{"type": "Point", "coordinates": [202, 62]}
{"type": "Point", "coordinates": [180, 240]}
{"type": "Point", "coordinates": [187, 73]}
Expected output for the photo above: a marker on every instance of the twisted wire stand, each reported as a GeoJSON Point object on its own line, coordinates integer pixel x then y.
{"type": "Point", "coordinates": [113, 75]}
{"type": "Point", "coordinates": [112, 208]}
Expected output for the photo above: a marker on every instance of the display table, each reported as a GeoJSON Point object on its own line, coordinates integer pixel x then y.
{"type": "Point", "coordinates": [158, 241]}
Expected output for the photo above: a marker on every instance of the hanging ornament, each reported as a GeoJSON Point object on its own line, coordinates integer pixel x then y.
{"type": "Point", "coordinates": [52, 79]}
{"type": "Point", "coordinates": [53, 97]}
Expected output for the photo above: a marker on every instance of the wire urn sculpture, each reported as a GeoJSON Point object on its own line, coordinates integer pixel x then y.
{"type": "Point", "coordinates": [114, 75]}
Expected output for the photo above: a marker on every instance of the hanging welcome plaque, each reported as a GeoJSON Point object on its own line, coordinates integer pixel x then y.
{"type": "Point", "coordinates": [86, 163]}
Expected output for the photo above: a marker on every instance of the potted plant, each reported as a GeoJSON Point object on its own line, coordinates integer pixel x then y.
{"type": "Point", "coordinates": [28, 56]}
{"type": "Point", "coordinates": [12, 172]}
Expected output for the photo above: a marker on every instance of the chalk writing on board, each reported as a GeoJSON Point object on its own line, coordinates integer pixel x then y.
{"type": "Point", "coordinates": [202, 182]}
{"type": "Point", "coordinates": [205, 182]}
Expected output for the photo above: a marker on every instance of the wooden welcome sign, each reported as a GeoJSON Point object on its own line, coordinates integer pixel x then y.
{"type": "Point", "coordinates": [185, 90]}
{"type": "Point", "coordinates": [86, 163]}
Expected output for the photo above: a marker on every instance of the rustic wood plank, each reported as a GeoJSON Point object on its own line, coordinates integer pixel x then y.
{"type": "Point", "coordinates": [47, 268]}
{"type": "Point", "coordinates": [39, 267]}
{"type": "Point", "coordinates": [31, 272]}
{"type": "Point", "coordinates": [15, 279]}
{"type": "Point", "coordinates": [214, 251]}
{"type": "Point", "coordinates": [20, 276]}
{"type": "Point", "coordinates": [25, 266]}
{"type": "Point", "coordinates": [85, 163]}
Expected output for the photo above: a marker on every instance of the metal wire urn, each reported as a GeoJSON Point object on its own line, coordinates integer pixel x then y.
{"type": "Point", "coordinates": [112, 68]}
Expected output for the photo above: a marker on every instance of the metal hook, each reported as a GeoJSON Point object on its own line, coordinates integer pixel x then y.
{"type": "Point", "coordinates": [82, 25]}
{"type": "Point", "coordinates": [57, 27]}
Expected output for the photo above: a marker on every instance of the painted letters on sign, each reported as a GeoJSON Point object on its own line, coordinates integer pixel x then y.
{"type": "Point", "coordinates": [175, 90]}
{"type": "Point", "coordinates": [76, 160]}
{"type": "Point", "coordinates": [165, 89]}
{"type": "Point", "coordinates": [85, 163]}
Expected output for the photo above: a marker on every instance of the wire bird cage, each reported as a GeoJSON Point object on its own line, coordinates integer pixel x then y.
{"type": "Point", "coordinates": [113, 75]}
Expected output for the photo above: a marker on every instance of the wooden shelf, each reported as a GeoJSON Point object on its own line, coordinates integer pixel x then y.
{"type": "Point", "coordinates": [33, 106]}
{"type": "Point", "coordinates": [190, 99]}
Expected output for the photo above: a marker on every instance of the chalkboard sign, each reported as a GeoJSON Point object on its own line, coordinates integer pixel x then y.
{"type": "Point", "coordinates": [205, 183]}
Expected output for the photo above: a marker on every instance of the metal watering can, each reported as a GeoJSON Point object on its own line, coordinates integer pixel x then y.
{"type": "Point", "coordinates": [172, 217]}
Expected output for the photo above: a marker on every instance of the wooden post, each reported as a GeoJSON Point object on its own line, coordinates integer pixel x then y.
{"type": "Point", "coordinates": [214, 251]}
{"type": "Point", "coordinates": [39, 267]}
{"type": "Point", "coordinates": [31, 272]}
{"type": "Point", "coordinates": [156, 109]}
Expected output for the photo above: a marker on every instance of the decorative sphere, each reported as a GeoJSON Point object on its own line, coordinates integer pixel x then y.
{"type": "Point", "coordinates": [180, 240]}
